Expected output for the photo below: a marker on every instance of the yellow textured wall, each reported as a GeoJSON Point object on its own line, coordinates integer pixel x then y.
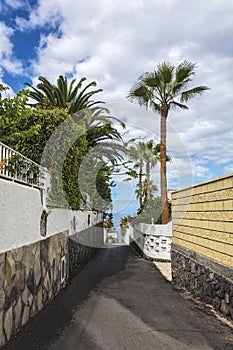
{"type": "Point", "coordinates": [203, 219]}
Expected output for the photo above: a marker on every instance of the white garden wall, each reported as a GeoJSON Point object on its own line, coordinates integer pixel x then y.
{"type": "Point", "coordinates": [20, 210]}
{"type": "Point", "coordinates": [34, 268]}
{"type": "Point", "coordinates": [153, 240]}
{"type": "Point", "coordinates": [20, 215]}
{"type": "Point", "coordinates": [60, 220]}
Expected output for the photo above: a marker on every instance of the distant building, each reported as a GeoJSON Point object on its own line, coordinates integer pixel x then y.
{"type": "Point", "coordinates": [169, 193]}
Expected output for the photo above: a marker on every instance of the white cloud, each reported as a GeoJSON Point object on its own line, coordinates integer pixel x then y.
{"type": "Point", "coordinates": [6, 5]}
{"type": "Point", "coordinates": [7, 60]}
{"type": "Point", "coordinates": [122, 40]}
{"type": "Point", "coordinates": [45, 13]}
{"type": "Point", "coordinates": [9, 93]}
{"type": "Point", "coordinates": [15, 4]}
{"type": "Point", "coordinates": [113, 42]}
{"type": "Point", "coordinates": [228, 169]}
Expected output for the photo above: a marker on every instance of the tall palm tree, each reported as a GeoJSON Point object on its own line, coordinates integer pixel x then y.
{"type": "Point", "coordinates": [144, 153]}
{"type": "Point", "coordinates": [63, 95]}
{"type": "Point", "coordinates": [153, 190]}
{"type": "Point", "coordinates": [135, 154]}
{"type": "Point", "coordinates": [151, 157]}
{"type": "Point", "coordinates": [164, 89]}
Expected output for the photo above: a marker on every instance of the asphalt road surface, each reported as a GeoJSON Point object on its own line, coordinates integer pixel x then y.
{"type": "Point", "coordinates": [121, 302]}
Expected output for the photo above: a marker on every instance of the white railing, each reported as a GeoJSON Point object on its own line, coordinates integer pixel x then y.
{"type": "Point", "coordinates": [153, 240]}
{"type": "Point", "coordinates": [16, 167]}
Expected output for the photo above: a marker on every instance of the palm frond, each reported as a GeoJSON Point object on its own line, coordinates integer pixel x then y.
{"type": "Point", "coordinates": [165, 72]}
{"type": "Point", "coordinates": [177, 105]}
{"type": "Point", "coordinates": [140, 93]}
{"type": "Point", "coordinates": [151, 80]}
{"type": "Point", "coordinates": [185, 70]}
{"type": "Point", "coordinates": [62, 87]}
{"type": "Point", "coordinates": [59, 98]}
{"type": "Point", "coordinates": [188, 94]}
{"type": "Point", "coordinates": [114, 119]}
{"type": "Point", "coordinates": [155, 106]}
{"type": "Point", "coordinates": [37, 95]}
{"type": "Point", "coordinates": [48, 90]}
{"type": "Point", "coordinates": [72, 92]}
{"type": "Point", "coordinates": [93, 103]}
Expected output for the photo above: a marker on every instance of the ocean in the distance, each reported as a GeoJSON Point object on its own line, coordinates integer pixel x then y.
{"type": "Point", "coordinates": [122, 208]}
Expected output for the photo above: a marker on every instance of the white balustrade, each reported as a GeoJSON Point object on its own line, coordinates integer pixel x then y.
{"type": "Point", "coordinates": [153, 240]}
{"type": "Point", "coordinates": [16, 167]}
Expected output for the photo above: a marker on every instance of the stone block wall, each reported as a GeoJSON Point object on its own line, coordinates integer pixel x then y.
{"type": "Point", "coordinates": [30, 276]}
{"type": "Point", "coordinates": [83, 246]}
{"type": "Point", "coordinates": [206, 279]}
{"type": "Point", "coordinates": [203, 219]}
{"type": "Point", "coordinates": [202, 249]}
{"type": "Point", "coordinates": [79, 255]}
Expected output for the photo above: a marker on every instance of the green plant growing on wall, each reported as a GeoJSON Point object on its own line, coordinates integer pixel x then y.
{"type": "Point", "coordinates": [125, 224]}
{"type": "Point", "coordinates": [108, 221]}
{"type": "Point", "coordinates": [22, 169]}
{"type": "Point", "coordinates": [28, 130]}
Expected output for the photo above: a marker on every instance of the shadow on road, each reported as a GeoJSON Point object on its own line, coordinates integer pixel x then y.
{"type": "Point", "coordinates": [120, 301]}
{"type": "Point", "coordinates": [45, 327]}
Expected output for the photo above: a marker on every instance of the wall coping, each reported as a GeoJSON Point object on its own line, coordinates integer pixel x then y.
{"type": "Point", "coordinates": [223, 177]}
{"type": "Point", "coordinates": [155, 229]}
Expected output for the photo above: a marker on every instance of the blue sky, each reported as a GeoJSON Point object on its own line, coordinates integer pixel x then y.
{"type": "Point", "coordinates": [113, 42]}
{"type": "Point", "coordinates": [23, 44]}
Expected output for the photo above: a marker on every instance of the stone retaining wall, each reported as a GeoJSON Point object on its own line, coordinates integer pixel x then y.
{"type": "Point", "coordinates": [82, 247]}
{"type": "Point", "coordinates": [30, 277]}
{"type": "Point", "coordinates": [79, 255]}
{"type": "Point", "coordinates": [204, 278]}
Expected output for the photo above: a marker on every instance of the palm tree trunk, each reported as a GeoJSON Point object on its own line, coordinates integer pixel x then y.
{"type": "Point", "coordinates": [163, 168]}
{"type": "Point", "coordinates": [147, 180]}
{"type": "Point", "coordinates": [140, 185]}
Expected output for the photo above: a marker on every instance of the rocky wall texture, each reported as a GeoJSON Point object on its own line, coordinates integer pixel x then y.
{"type": "Point", "coordinates": [79, 255]}
{"type": "Point", "coordinates": [83, 246]}
{"type": "Point", "coordinates": [204, 278]}
{"type": "Point", "coordinates": [30, 277]}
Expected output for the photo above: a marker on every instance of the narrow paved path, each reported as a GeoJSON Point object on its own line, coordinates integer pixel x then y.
{"type": "Point", "coordinates": [120, 301]}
